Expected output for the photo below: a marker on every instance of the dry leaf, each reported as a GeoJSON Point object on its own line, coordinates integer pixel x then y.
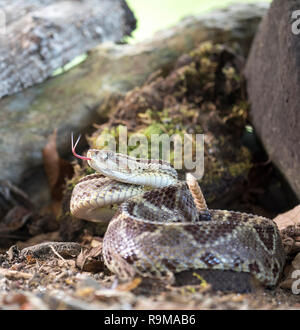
{"type": "Point", "coordinates": [15, 219]}
{"type": "Point", "coordinates": [51, 160]}
{"type": "Point", "coordinates": [91, 260]}
{"type": "Point", "coordinates": [57, 170]}
{"type": "Point", "coordinates": [15, 210]}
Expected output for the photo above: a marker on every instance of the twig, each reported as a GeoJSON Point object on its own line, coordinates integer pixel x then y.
{"type": "Point", "coordinates": [14, 274]}
{"type": "Point", "coordinates": [57, 254]}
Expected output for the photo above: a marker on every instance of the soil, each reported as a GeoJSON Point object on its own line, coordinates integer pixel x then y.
{"type": "Point", "coordinates": [48, 278]}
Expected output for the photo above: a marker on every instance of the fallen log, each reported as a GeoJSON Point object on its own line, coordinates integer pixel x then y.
{"type": "Point", "coordinates": [41, 36]}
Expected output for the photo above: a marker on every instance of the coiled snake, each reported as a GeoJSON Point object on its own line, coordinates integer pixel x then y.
{"type": "Point", "coordinates": [164, 227]}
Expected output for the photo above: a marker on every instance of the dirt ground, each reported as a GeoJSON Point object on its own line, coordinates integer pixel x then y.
{"type": "Point", "coordinates": [48, 276]}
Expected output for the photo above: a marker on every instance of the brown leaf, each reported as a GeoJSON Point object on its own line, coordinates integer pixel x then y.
{"type": "Point", "coordinates": [15, 219]}
{"type": "Point", "coordinates": [51, 160]}
{"type": "Point", "coordinates": [57, 170]}
{"type": "Point", "coordinates": [91, 260]}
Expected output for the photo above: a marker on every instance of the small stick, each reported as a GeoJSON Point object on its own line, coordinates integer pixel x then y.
{"type": "Point", "coordinates": [57, 254]}
{"type": "Point", "coordinates": [14, 274]}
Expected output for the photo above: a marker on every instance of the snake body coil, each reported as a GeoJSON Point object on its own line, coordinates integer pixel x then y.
{"type": "Point", "coordinates": [163, 227]}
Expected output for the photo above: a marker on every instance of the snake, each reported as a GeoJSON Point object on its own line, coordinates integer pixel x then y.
{"type": "Point", "coordinates": [163, 226]}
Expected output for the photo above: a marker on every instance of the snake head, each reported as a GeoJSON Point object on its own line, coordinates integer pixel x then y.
{"type": "Point", "coordinates": [97, 159]}
{"type": "Point", "coordinates": [107, 162]}
{"type": "Point", "coordinates": [110, 164]}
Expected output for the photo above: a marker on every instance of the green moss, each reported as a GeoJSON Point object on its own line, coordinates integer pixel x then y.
{"type": "Point", "coordinates": [156, 128]}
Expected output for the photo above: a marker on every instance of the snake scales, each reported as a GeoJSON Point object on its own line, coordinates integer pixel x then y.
{"type": "Point", "coordinates": [163, 226]}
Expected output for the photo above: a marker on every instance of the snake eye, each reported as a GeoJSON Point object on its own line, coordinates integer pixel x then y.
{"type": "Point", "coordinates": [110, 154]}
{"type": "Point", "coordinates": [103, 156]}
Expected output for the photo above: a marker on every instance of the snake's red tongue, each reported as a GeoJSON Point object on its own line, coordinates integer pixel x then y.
{"type": "Point", "coordinates": [74, 146]}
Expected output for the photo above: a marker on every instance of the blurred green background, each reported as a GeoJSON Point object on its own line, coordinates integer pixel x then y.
{"type": "Point", "coordinates": [155, 15]}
